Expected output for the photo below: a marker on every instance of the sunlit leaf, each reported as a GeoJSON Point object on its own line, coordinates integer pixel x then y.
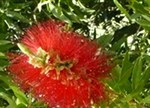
{"type": "Point", "coordinates": [9, 99]}
{"type": "Point", "coordinates": [146, 99]}
{"type": "Point", "coordinates": [136, 73]}
{"type": "Point", "coordinates": [3, 42]}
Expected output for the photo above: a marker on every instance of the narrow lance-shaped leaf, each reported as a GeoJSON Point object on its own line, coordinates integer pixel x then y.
{"type": "Point", "coordinates": [123, 10]}
{"type": "Point", "coordinates": [17, 16]}
{"type": "Point", "coordinates": [136, 73]}
{"type": "Point", "coordinates": [126, 69]}
{"type": "Point", "coordinates": [4, 42]}
{"type": "Point", "coordinates": [143, 80]}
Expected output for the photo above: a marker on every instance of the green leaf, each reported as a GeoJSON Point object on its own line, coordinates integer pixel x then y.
{"type": "Point", "coordinates": [104, 40]}
{"type": "Point", "coordinates": [57, 12]}
{"type": "Point", "coordinates": [20, 6]}
{"type": "Point", "coordinates": [143, 22]}
{"type": "Point", "coordinates": [3, 27]}
{"type": "Point", "coordinates": [12, 25]}
{"type": "Point", "coordinates": [113, 82]}
{"type": "Point", "coordinates": [21, 106]}
{"type": "Point", "coordinates": [147, 2]}
{"type": "Point", "coordinates": [4, 42]}
{"type": "Point", "coordinates": [3, 62]}
{"type": "Point", "coordinates": [77, 11]}
{"type": "Point", "coordinates": [123, 10]}
{"type": "Point", "coordinates": [139, 8]}
{"type": "Point", "coordinates": [17, 16]}
{"type": "Point", "coordinates": [143, 80]}
{"type": "Point", "coordinates": [117, 45]}
{"type": "Point", "coordinates": [2, 56]}
{"type": "Point", "coordinates": [82, 7]}
{"type": "Point", "coordinates": [146, 100]}
{"type": "Point", "coordinates": [5, 78]}
{"type": "Point", "coordinates": [50, 6]}
{"type": "Point", "coordinates": [4, 35]}
{"type": "Point", "coordinates": [136, 73]}
{"type": "Point", "coordinates": [19, 94]}
{"type": "Point", "coordinates": [126, 67]}
{"type": "Point", "coordinates": [116, 72]}
{"type": "Point", "coordinates": [5, 96]}
{"type": "Point", "coordinates": [16, 90]}
{"type": "Point", "coordinates": [4, 48]}
{"type": "Point", "coordinates": [147, 57]}
{"type": "Point", "coordinates": [72, 17]}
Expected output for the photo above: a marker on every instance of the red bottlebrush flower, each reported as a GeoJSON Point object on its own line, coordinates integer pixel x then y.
{"type": "Point", "coordinates": [61, 68]}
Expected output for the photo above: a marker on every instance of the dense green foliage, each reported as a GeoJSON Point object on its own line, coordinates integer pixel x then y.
{"type": "Point", "coordinates": [121, 27]}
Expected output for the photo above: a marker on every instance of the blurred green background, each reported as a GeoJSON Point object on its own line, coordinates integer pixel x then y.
{"type": "Point", "coordinates": [121, 27]}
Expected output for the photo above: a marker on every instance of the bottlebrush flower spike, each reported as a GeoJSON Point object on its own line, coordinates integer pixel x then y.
{"type": "Point", "coordinates": [60, 67]}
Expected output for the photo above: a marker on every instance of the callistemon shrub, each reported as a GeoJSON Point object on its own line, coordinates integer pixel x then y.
{"type": "Point", "coordinates": [62, 68]}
